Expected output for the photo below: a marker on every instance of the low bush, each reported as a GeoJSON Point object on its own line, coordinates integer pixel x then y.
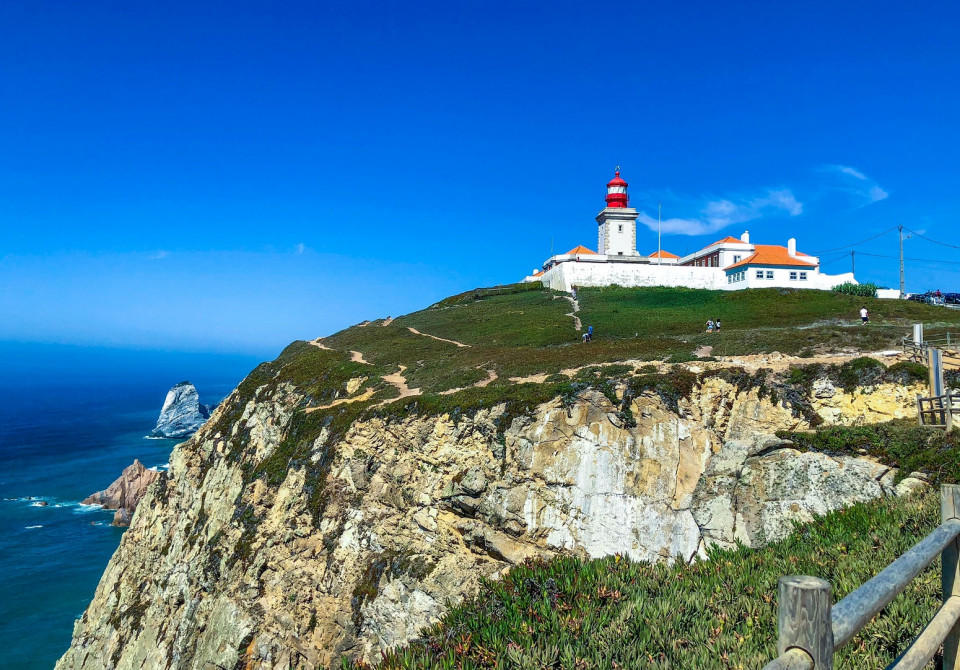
{"type": "Point", "coordinates": [900, 443]}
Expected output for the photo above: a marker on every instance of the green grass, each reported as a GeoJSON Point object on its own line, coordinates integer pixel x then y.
{"type": "Point", "coordinates": [720, 613]}
{"type": "Point", "coordinates": [624, 312]}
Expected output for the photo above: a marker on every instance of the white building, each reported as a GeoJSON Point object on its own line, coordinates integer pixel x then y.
{"type": "Point", "coordinates": [729, 264]}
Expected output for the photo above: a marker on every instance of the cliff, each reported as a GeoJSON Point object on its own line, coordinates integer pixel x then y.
{"type": "Point", "coordinates": [285, 537]}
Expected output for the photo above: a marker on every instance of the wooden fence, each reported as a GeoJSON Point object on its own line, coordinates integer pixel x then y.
{"type": "Point", "coordinates": [812, 628]}
{"type": "Point", "coordinates": [948, 344]}
{"type": "Point", "coordinates": [939, 411]}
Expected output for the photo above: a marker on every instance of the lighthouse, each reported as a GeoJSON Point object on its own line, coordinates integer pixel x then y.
{"type": "Point", "coordinates": [618, 221]}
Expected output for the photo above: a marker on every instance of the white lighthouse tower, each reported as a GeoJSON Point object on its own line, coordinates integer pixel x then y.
{"type": "Point", "coordinates": [618, 222]}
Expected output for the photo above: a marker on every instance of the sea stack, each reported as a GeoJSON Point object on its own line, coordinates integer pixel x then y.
{"type": "Point", "coordinates": [182, 413]}
{"type": "Point", "coordinates": [125, 493]}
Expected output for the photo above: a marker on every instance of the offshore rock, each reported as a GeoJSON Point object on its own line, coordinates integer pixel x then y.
{"type": "Point", "coordinates": [244, 558]}
{"type": "Point", "coordinates": [125, 493]}
{"type": "Point", "coordinates": [182, 413]}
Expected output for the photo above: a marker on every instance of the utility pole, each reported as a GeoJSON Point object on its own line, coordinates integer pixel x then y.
{"type": "Point", "coordinates": [659, 249]}
{"type": "Point", "coordinates": [853, 262]}
{"type": "Point", "coordinates": [900, 229]}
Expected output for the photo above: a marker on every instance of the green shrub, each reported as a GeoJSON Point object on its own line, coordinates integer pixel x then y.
{"type": "Point", "coordinates": [861, 290]}
{"type": "Point", "coordinates": [900, 443]}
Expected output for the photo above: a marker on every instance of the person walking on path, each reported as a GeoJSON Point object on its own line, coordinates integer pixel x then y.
{"type": "Point", "coordinates": [589, 333]}
{"type": "Point", "coordinates": [710, 326]}
{"type": "Point", "coordinates": [864, 315]}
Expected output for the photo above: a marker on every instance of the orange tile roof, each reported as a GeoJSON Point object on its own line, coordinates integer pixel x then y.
{"type": "Point", "coordinates": [772, 254]}
{"type": "Point", "coordinates": [580, 249]}
{"type": "Point", "coordinates": [726, 240]}
{"type": "Point", "coordinates": [537, 274]}
{"type": "Point", "coordinates": [663, 254]}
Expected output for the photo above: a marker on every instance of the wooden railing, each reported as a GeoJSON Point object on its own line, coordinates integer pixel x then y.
{"type": "Point", "coordinates": [812, 628]}
{"type": "Point", "coordinates": [948, 344]}
{"type": "Point", "coordinates": [938, 411]}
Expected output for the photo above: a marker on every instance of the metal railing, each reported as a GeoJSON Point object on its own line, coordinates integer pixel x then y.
{"type": "Point", "coordinates": [812, 628]}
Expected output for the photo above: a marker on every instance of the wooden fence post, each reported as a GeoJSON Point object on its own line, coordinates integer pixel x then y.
{"type": "Point", "coordinates": [804, 618]}
{"type": "Point", "coordinates": [950, 562]}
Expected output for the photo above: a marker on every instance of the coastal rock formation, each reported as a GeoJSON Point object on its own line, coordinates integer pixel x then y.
{"type": "Point", "coordinates": [246, 557]}
{"type": "Point", "coordinates": [182, 413]}
{"type": "Point", "coordinates": [125, 493]}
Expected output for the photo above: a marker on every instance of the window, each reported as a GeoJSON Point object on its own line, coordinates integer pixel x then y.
{"type": "Point", "coordinates": [759, 274]}
{"type": "Point", "coordinates": [793, 276]}
{"type": "Point", "coordinates": [620, 228]}
{"type": "Point", "coordinates": [803, 276]}
{"type": "Point", "coordinates": [729, 279]}
{"type": "Point", "coordinates": [736, 259]}
{"type": "Point", "coordinates": [769, 274]}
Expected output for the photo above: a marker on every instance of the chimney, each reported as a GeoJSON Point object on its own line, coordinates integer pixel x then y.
{"type": "Point", "coordinates": [745, 238]}
{"type": "Point", "coordinates": [792, 246]}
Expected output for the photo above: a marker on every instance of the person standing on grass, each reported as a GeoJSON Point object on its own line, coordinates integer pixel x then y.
{"type": "Point", "coordinates": [864, 315]}
{"type": "Point", "coordinates": [716, 326]}
{"type": "Point", "coordinates": [710, 326]}
{"type": "Point", "coordinates": [589, 333]}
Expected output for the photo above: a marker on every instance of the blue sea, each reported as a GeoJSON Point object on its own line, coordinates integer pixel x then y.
{"type": "Point", "coordinates": [70, 420]}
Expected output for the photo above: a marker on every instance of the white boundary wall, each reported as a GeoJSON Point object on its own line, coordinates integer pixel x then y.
{"type": "Point", "coordinates": [595, 272]}
{"type": "Point", "coordinates": [563, 276]}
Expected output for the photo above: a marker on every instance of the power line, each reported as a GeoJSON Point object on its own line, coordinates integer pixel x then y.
{"type": "Point", "coordinates": [952, 246]}
{"type": "Point", "coordinates": [855, 244]}
{"type": "Point", "coordinates": [906, 258]}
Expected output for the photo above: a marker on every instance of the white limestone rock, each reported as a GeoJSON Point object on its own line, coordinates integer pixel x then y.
{"type": "Point", "coordinates": [182, 412]}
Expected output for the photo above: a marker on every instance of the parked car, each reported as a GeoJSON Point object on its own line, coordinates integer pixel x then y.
{"type": "Point", "coordinates": [951, 298]}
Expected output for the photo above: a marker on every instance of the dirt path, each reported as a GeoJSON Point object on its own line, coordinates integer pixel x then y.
{"type": "Point", "coordinates": [491, 377]}
{"type": "Point", "coordinates": [779, 362]}
{"type": "Point", "coordinates": [576, 308]}
{"type": "Point", "coordinates": [357, 357]}
{"type": "Point", "coordinates": [400, 383]}
{"type": "Point", "coordinates": [387, 321]}
{"type": "Point", "coordinates": [703, 351]}
{"type": "Point", "coordinates": [366, 395]}
{"type": "Point", "coordinates": [319, 343]}
{"type": "Point", "coordinates": [434, 337]}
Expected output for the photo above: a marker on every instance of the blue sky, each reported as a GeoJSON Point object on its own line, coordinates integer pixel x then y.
{"type": "Point", "coordinates": [232, 176]}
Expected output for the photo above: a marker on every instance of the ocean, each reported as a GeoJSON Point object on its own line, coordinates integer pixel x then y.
{"type": "Point", "coordinates": [70, 420]}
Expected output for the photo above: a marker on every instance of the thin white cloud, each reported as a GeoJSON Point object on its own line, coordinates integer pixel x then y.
{"type": "Point", "coordinates": [300, 248]}
{"type": "Point", "coordinates": [862, 189]}
{"type": "Point", "coordinates": [157, 255]}
{"type": "Point", "coordinates": [718, 214]}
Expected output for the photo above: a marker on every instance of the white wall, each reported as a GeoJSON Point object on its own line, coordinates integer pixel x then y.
{"type": "Point", "coordinates": [564, 275]}
{"type": "Point", "coordinates": [888, 293]}
{"type": "Point", "coordinates": [781, 279]}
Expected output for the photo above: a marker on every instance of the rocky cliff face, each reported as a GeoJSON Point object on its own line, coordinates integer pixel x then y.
{"type": "Point", "coordinates": [182, 414]}
{"type": "Point", "coordinates": [125, 493]}
{"type": "Point", "coordinates": [236, 560]}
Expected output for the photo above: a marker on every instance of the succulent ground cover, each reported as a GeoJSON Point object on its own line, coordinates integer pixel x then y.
{"type": "Point", "coordinates": [718, 613]}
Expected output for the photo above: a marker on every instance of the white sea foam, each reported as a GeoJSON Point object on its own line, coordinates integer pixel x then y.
{"type": "Point", "coordinates": [32, 527]}
{"type": "Point", "coordinates": [83, 509]}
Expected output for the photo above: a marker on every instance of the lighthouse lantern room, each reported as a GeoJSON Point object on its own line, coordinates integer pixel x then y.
{"type": "Point", "coordinates": [618, 221]}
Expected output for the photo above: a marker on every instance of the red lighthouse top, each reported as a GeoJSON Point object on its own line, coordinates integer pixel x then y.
{"type": "Point", "coordinates": [617, 191]}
